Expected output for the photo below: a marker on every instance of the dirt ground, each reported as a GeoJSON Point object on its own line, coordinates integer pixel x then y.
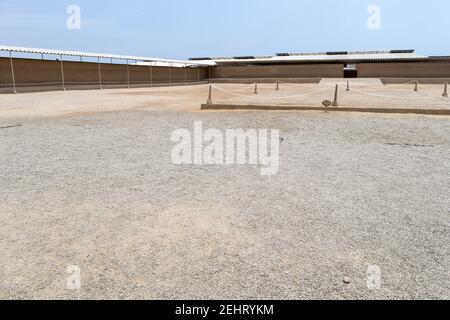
{"type": "Point", "coordinates": [362, 93]}
{"type": "Point", "coordinates": [86, 180]}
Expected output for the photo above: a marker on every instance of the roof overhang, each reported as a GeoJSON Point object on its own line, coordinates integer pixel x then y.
{"type": "Point", "coordinates": [102, 56]}
{"type": "Point", "coordinates": [342, 57]}
{"type": "Point", "coordinates": [346, 59]}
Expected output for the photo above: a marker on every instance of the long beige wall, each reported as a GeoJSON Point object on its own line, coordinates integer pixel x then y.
{"type": "Point", "coordinates": [404, 70]}
{"type": "Point", "coordinates": [37, 75]}
{"type": "Point", "coordinates": [280, 71]}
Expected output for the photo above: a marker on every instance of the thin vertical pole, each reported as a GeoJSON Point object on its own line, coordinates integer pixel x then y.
{"type": "Point", "coordinates": [100, 74]}
{"type": "Point", "coordinates": [335, 102]}
{"type": "Point", "coordinates": [256, 88]}
{"type": "Point", "coordinates": [278, 86]}
{"type": "Point", "coordinates": [445, 94]}
{"type": "Point", "coordinates": [198, 73]}
{"type": "Point", "coordinates": [185, 74]}
{"type": "Point", "coordinates": [416, 86]}
{"type": "Point", "coordinates": [62, 74]}
{"type": "Point", "coordinates": [348, 85]}
{"type": "Point", "coordinates": [128, 74]}
{"type": "Point", "coordinates": [209, 101]}
{"type": "Point", "coordinates": [12, 72]}
{"type": "Point", "coordinates": [170, 74]}
{"type": "Point", "coordinates": [151, 75]}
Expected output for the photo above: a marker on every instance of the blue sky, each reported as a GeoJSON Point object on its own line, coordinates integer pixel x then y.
{"type": "Point", "coordinates": [181, 29]}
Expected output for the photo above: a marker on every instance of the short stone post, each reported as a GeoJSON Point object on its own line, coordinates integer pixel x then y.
{"type": "Point", "coordinates": [335, 101]}
{"type": "Point", "coordinates": [256, 88]}
{"type": "Point", "coordinates": [445, 94]}
{"type": "Point", "coordinates": [416, 86]}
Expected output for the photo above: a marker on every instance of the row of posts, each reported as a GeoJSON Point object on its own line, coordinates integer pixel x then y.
{"type": "Point", "coordinates": [336, 91]}
{"type": "Point", "coordinates": [445, 94]}
{"type": "Point", "coordinates": [100, 73]}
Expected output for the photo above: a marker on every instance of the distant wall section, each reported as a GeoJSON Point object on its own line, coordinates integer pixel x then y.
{"type": "Point", "coordinates": [44, 75]}
{"type": "Point", "coordinates": [279, 71]}
{"type": "Point", "coordinates": [404, 70]}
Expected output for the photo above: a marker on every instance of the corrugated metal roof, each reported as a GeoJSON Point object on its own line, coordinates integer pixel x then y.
{"type": "Point", "coordinates": [320, 58]}
{"type": "Point", "coordinates": [99, 55]}
{"type": "Point", "coordinates": [356, 56]}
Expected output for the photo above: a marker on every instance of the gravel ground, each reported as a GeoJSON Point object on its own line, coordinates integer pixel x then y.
{"type": "Point", "coordinates": [99, 191]}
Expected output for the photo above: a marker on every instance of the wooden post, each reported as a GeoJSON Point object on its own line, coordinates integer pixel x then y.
{"type": "Point", "coordinates": [151, 75]}
{"type": "Point", "coordinates": [128, 75]}
{"type": "Point", "coordinates": [416, 86]}
{"type": "Point", "coordinates": [170, 74]}
{"type": "Point", "coordinates": [335, 101]}
{"type": "Point", "coordinates": [256, 88]}
{"type": "Point", "coordinates": [210, 96]}
{"type": "Point", "coordinates": [445, 94]}
{"type": "Point", "coordinates": [12, 72]}
{"type": "Point", "coordinates": [278, 86]}
{"type": "Point", "coordinates": [348, 85]}
{"type": "Point", "coordinates": [62, 74]}
{"type": "Point", "coordinates": [100, 74]}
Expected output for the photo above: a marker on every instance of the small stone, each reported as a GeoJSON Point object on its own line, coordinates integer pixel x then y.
{"type": "Point", "coordinates": [347, 280]}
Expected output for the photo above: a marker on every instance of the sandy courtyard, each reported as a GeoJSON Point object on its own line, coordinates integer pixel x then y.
{"type": "Point", "coordinates": [86, 180]}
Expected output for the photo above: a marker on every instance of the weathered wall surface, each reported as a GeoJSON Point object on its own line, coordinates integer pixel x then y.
{"type": "Point", "coordinates": [39, 75]}
{"type": "Point", "coordinates": [280, 71]}
{"type": "Point", "coordinates": [404, 70]}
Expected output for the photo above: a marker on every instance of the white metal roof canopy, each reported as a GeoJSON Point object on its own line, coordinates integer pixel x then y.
{"type": "Point", "coordinates": [61, 53]}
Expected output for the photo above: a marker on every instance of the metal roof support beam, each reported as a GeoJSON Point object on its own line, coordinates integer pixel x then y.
{"type": "Point", "coordinates": [170, 74]}
{"type": "Point", "coordinates": [100, 74]}
{"type": "Point", "coordinates": [62, 74]}
{"type": "Point", "coordinates": [151, 75]}
{"type": "Point", "coordinates": [12, 72]}
{"type": "Point", "coordinates": [128, 74]}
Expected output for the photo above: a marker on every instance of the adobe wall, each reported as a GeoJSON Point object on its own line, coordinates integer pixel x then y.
{"type": "Point", "coordinates": [404, 70]}
{"type": "Point", "coordinates": [43, 75]}
{"type": "Point", "coordinates": [279, 71]}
